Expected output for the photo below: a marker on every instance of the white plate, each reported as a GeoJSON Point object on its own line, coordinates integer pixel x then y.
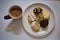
{"type": "Point", "coordinates": [26, 24]}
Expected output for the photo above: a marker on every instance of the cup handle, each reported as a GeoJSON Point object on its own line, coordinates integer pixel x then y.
{"type": "Point", "coordinates": [7, 17]}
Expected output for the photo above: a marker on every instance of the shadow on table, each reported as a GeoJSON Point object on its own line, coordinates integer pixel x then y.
{"type": "Point", "coordinates": [39, 37]}
{"type": "Point", "coordinates": [15, 26]}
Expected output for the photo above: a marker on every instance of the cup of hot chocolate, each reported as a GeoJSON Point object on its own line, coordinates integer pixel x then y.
{"type": "Point", "coordinates": [15, 12]}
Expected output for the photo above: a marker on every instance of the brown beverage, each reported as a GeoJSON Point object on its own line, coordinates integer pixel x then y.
{"type": "Point", "coordinates": [15, 11]}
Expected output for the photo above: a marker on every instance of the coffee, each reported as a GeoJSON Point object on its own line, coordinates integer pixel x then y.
{"type": "Point", "coordinates": [15, 11]}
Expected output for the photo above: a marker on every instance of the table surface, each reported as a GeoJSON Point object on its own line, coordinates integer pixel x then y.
{"type": "Point", "coordinates": [4, 7]}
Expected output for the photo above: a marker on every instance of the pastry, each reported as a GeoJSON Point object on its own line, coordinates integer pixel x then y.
{"type": "Point", "coordinates": [35, 26]}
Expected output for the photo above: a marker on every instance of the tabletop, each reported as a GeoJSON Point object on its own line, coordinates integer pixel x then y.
{"type": "Point", "coordinates": [23, 35]}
